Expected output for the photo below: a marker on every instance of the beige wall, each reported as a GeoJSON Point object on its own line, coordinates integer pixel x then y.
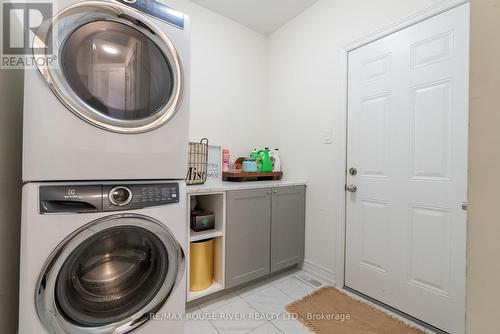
{"type": "Point", "coordinates": [11, 83]}
{"type": "Point", "coordinates": [483, 290]}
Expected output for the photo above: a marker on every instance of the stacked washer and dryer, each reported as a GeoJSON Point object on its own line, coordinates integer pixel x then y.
{"type": "Point", "coordinates": [104, 162]}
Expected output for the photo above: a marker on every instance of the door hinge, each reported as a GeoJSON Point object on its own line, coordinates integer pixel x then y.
{"type": "Point", "coordinates": [465, 206]}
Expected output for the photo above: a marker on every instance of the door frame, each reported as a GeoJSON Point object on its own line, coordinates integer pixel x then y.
{"type": "Point", "coordinates": [405, 22]}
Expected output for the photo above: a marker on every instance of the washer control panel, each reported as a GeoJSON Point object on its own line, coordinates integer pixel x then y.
{"type": "Point", "coordinates": [79, 198]}
{"type": "Point", "coordinates": [120, 196]}
{"type": "Point", "coordinates": [137, 196]}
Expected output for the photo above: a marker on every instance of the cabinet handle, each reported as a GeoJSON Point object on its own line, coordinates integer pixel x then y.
{"type": "Point", "coordinates": [275, 191]}
{"type": "Point", "coordinates": [268, 192]}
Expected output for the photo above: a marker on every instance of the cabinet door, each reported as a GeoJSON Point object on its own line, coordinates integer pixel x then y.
{"type": "Point", "coordinates": [287, 227]}
{"type": "Point", "coordinates": [248, 235]}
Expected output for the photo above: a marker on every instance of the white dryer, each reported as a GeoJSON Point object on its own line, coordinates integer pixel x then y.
{"type": "Point", "coordinates": [102, 258]}
{"type": "Point", "coordinates": [111, 99]}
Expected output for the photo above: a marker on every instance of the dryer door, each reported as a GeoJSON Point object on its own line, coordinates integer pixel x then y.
{"type": "Point", "coordinates": [113, 68]}
{"type": "Point", "coordinates": [109, 276]}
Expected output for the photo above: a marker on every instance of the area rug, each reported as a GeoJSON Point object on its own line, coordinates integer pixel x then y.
{"type": "Point", "coordinates": [329, 311]}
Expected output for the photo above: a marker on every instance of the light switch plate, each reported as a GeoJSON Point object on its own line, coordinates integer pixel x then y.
{"type": "Point", "coordinates": [328, 137]}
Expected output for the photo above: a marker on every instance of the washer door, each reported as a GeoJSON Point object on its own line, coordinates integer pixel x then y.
{"type": "Point", "coordinates": [113, 68]}
{"type": "Point", "coordinates": [109, 276]}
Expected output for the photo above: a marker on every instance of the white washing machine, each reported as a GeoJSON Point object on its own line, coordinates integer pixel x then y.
{"type": "Point", "coordinates": [102, 258]}
{"type": "Point", "coordinates": [111, 100]}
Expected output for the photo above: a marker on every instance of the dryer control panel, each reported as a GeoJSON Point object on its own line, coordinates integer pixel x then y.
{"type": "Point", "coordinates": [157, 10]}
{"type": "Point", "coordinates": [79, 198]}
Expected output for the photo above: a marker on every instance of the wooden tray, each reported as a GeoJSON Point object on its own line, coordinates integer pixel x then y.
{"type": "Point", "coordinates": [253, 176]}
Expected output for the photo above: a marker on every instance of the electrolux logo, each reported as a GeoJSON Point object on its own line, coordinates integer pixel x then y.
{"type": "Point", "coordinates": [71, 193]}
{"type": "Point", "coordinates": [20, 21]}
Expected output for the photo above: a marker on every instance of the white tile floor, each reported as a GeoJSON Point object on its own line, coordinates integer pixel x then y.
{"type": "Point", "coordinates": [267, 297]}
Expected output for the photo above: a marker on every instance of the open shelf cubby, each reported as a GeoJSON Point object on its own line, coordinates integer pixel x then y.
{"type": "Point", "coordinates": [209, 202]}
{"type": "Point", "coordinates": [218, 280]}
{"type": "Point", "coordinates": [214, 202]}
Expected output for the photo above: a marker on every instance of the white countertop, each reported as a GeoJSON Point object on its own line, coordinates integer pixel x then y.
{"type": "Point", "coordinates": [211, 187]}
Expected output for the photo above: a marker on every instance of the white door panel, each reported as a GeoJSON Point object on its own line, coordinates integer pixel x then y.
{"type": "Point", "coordinates": [408, 139]}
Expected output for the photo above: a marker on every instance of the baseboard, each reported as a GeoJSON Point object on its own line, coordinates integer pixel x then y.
{"type": "Point", "coordinates": [327, 275]}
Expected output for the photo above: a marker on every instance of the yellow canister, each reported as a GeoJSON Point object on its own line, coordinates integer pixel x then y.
{"type": "Point", "coordinates": [201, 265]}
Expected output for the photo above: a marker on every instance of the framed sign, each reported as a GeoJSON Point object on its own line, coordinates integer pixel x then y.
{"type": "Point", "coordinates": [214, 167]}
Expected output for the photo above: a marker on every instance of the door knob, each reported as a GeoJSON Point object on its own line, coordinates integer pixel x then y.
{"type": "Point", "coordinates": [353, 171]}
{"type": "Point", "coordinates": [352, 188]}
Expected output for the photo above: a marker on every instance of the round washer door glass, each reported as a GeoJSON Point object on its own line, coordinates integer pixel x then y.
{"type": "Point", "coordinates": [109, 276]}
{"type": "Point", "coordinates": [117, 70]}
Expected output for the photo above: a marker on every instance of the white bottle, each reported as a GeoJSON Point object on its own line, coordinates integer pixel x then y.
{"type": "Point", "coordinates": [276, 160]}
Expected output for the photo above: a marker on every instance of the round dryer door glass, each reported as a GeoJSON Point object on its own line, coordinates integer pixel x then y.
{"type": "Point", "coordinates": [111, 276]}
{"type": "Point", "coordinates": [112, 66]}
{"type": "Point", "coordinates": [117, 70]}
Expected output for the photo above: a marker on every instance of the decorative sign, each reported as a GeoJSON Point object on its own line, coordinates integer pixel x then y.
{"type": "Point", "coordinates": [214, 168]}
{"type": "Point", "coordinates": [197, 162]}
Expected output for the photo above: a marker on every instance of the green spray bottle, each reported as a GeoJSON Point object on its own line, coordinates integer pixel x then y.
{"type": "Point", "coordinates": [267, 163]}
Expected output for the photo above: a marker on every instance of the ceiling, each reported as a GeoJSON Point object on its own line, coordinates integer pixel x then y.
{"type": "Point", "coordinates": [264, 16]}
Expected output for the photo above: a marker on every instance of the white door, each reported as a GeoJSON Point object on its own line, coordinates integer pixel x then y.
{"type": "Point", "coordinates": [408, 139]}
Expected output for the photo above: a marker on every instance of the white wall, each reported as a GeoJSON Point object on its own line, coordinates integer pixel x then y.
{"type": "Point", "coordinates": [304, 101]}
{"type": "Point", "coordinates": [229, 67]}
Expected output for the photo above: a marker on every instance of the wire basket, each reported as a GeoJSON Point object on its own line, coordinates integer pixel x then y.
{"type": "Point", "coordinates": [197, 162]}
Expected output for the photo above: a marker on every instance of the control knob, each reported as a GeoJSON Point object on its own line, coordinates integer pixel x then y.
{"type": "Point", "coordinates": [120, 196]}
